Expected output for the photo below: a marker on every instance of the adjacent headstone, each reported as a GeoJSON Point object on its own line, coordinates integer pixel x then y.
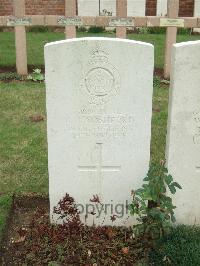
{"type": "Point", "coordinates": [183, 144]}
{"type": "Point", "coordinates": [99, 102]}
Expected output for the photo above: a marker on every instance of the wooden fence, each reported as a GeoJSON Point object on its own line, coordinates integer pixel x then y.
{"type": "Point", "coordinates": [20, 21]}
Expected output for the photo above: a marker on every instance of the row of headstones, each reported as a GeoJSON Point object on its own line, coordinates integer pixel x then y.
{"type": "Point", "coordinates": [99, 109]}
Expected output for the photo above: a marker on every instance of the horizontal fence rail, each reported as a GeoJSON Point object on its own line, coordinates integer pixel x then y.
{"type": "Point", "coordinates": [53, 20]}
{"type": "Point", "coordinates": [70, 21]}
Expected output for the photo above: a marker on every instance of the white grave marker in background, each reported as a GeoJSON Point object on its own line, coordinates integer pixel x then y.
{"type": "Point", "coordinates": [99, 106]}
{"type": "Point", "coordinates": [183, 142]}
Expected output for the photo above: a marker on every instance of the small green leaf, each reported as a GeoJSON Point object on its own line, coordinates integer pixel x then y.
{"type": "Point", "coordinates": [146, 178]}
{"type": "Point", "coordinates": [172, 189]}
{"type": "Point", "coordinates": [138, 191]}
{"type": "Point", "coordinates": [173, 219]}
{"type": "Point", "coordinates": [168, 179]}
{"type": "Point", "coordinates": [154, 218]}
{"type": "Point", "coordinates": [37, 71]}
{"type": "Point", "coordinates": [175, 184]}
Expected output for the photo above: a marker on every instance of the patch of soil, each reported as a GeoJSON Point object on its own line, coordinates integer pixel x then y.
{"type": "Point", "coordinates": [30, 239]}
{"type": "Point", "coordinates": [20, 216]}
{"type": "Point", "coordinates": [9, 69]}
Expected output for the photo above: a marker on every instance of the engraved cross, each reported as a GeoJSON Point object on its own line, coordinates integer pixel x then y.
{"type": "Point", "coordinates": [99, 168]}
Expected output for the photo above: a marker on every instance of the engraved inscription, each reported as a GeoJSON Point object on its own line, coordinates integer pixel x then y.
{"type": "Point", "coordinates": [169, 22]}
{"type": "Point", "coordinates": [98, 125]}
{"type": "Point", "coordinates": [196, 136]}
{"type": "Point", "coordinates": [196, 119]}
{"type": "Point", "coordinates": [101, 80]}
{"type": "Point", "coordinates": [70, 21]}
{"type": "Point", "coordinates": [14, 21]}
{"type": "Point", "coordinates": [117, 22]}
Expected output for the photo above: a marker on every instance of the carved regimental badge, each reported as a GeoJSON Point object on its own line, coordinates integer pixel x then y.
{"type": "Point", "coordinates": [101, 79]}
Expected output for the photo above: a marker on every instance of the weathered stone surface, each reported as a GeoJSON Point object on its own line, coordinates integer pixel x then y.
{"type": "Point", "coordinates": [183, 143]}
{"type": "Point", "coordinates": [99, 102]}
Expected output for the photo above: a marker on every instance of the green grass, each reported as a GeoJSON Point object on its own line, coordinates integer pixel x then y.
{"type": "Point", "coordinates": [181, 247]}
{"type": "Point", "coordinates": [159, 121]}
{"type": "Point", "coordinates": [5, 204]}
{"type": "Point", "coordinates": [36, 42]}
{"type": "Point", "coordinates": [22, 142]}
{"type": "Point", "coordinates": [23, 159]}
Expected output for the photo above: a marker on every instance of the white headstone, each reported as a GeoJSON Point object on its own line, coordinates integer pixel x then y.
{"type": "Point", "coordinates": [99, 102]}
{"type": "Point", "coordinates": [183, 142]}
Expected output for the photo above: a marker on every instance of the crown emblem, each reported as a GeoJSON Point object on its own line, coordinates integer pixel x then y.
{"type": "Point", "coordinates": [99, 56]}
{"type": "Point", "coordinates": [101, 79]}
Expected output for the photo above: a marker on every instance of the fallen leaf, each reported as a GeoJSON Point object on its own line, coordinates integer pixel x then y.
{"type": "Point", "coordinates": [95, 199]}
{"type": "Point", "coordinates": [36, 118]}
{"type": "Point", "coordinates": [125, 250]}
{"type": "Point", "coordinates": [22, 236]}
{"type": "Point", "coordinates": [22, 232]}
{"type": "Point", "coordinates": [19, 240]}
{"type": "Point", "coordinates": [156, 110]}
{"type": "Point", "coordinates": [110, 233]}
{"type": "Point", "coordinates": [113, 217]}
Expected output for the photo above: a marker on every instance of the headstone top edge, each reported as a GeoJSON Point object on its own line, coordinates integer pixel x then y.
{"type": "Point", "coordinates": [185, 44]}
{"type": "Point", "coordinates": [99, 39]}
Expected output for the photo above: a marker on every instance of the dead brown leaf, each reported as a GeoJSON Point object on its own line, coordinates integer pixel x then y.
{"type": "Point", "coordinates": [156, 110]}
{"type": "Point", "coordinates": [36, 118]}
{"type": "Point", "coordinates": [125, 250]}
{"type": "Point", "coordinates": [110, 233]}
